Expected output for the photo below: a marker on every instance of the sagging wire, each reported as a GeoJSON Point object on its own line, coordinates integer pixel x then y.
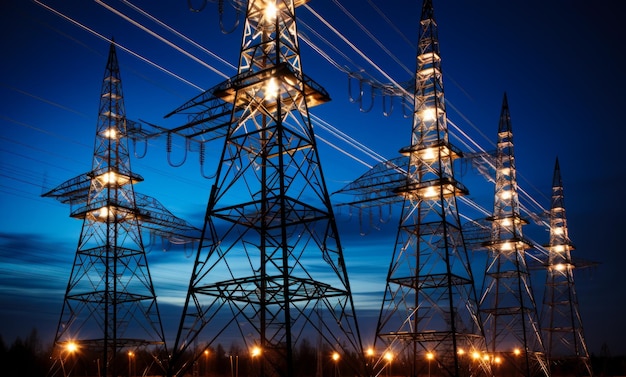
{"type": "Point", "coordinates": [169, 151]}
{"type": "Point", "coordinates": [220, 9]}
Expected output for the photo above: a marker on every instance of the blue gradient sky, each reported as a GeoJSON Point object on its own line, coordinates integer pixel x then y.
{"type": "Point", "coordinates": [560, 62]}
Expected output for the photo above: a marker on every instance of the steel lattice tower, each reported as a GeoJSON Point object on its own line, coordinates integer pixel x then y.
{"type": "Point", "coordinates": [272, 273]}
{"type": "Point", "coordinates": [429, 314]}
{"type": "Point", "coordinates": [110, 305]}
{"type": "Point", "coordinates": [563, 328]}
{"type": "Point", "coordinates": [507, 303]}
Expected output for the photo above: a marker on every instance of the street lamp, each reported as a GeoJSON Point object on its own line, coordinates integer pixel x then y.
{"type": "Point", "coordinates": [429, 356]}
{"type": "Point", "coordinates": [335, 358]}
{"type": "Point", "coordinates": [70, 348]}
{"type": "Point", "coordinates": [206, 362]}
{"type": "Point", "coordinates": [130, 359]}
{"type": "Point", "coordinates": [388, 357]}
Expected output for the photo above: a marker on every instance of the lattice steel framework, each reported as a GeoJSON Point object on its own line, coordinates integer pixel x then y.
{"type": "Point", "coordinates": [563, 329]}
{"type": "Point", "coordinates": [274, 273]}
{"type": "Point", "coordinates": [429, 316]}
{"type": "Point", "coordinates": [110, 305]}
{"type": "Point", "coordinates": [507, 303]}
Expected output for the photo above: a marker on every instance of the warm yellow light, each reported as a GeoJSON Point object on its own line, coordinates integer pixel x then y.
{"type": "Point", "coordinates": [558, 248]}
{"type": "Point", "coordinates": [256, 351]}
{"type": "Point", "coordinates": [429, 114]}
{"type": "Point", "coordinates": [270, 10]}
{"type": "Point", "coordinates": [461, 351]}
{"type": "Point", "coordinates": [430, 355]}
{"type": "Point", "coordinates": [271, 89]}
{"type": "Point", "coordinates": [506, 194]}
{"type": "Point", "coordinates": [206, 352]}
{"type": "Point", "coordinates": [475, 355]}
{"type": "Point", "coordinates": [430, 192]}
{"type": "Point", "coordinates": [71, 347]}
{"type": "Point", "coordinates": [369, 352]}
{"type": "Point", "coordinates": [110, 133]}
{"type": "Point", "coordinates": [505, 171]}
{"type": "Point", "coordinates": [517, 351]}
{"type": "Point", "coordinates": [335, 356]}
{"type": "Point", "coordinates": [497, 360]}
{"type": "Point", "coordinates": [388, 356]}
{"type": "Point", "coordinates": [560, 267]}
{"type": "Point", "coordinates": [507, 246]}
{"type": "Point", "coordinates": [130, 354]}
{"type": "Point", "coordinates": [558, 230]}
{"type": "Point", "coordinates": [428, 154]}
{"type": "Point", "coordinates": [485, 357]}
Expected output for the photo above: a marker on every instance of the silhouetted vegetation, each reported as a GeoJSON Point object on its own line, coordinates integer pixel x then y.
{"type": "Point", "coordinates": [27, 357]}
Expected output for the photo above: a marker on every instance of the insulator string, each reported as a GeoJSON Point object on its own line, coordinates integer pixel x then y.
{"type": "Point", "coordinates": [169, 151]}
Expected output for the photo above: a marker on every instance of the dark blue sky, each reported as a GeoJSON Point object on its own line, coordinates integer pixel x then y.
{"type": "Point", "coordinates": [560, 62]}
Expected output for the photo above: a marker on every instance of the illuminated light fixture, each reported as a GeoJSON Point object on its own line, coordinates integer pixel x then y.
{"type": "Point", "coordinates": [497, 360]}
{"type": "Point", "coordinates": [506, 194]}
{"type": "Point", "coordinates": [388, 356]}
{"type": "Point", "coordinates": [270, 11]}
{"type": "Point", "coordinates": [369, 352]}
{"type": "Point", "coordinates": [505, 171]}
{"type": "Point", "coordinates": [428, 154]}
{"type": "Point", "coordinates": [335, 356]}
{"type": "Point", "coordinates": [475, 355]}
{"type": "Point", "coordinates": [558, 230]}
{"type": "Point", "coordinates": [430, 355]}
{"type": "Point", "coordinates": [256, 351]}
{"type": "Point", "coordinates": [506, 222]}
{"type": "Point", "coordinates": [430, 192]}
{"type": "Point", "coordinates": [559, 267]}
{"type": "Point", "coordinates": [429, 114]}
{"type": "Point", "coordinates": [71, 347]}
{"type": "Point", "coordinates": [110, 133]}
{"type": "Point", "coordinates": [506, 246]}
{"type": "Point", "coordinates": [558, 248]}
{"type": "Point", "coordinates": [517, 352]}
{"type": "Point", "coordinates": [461, 351]}
{"type": "Point", "coordinates": [112, 177]}
{"type": "Point", "coordinates": [271, 89]}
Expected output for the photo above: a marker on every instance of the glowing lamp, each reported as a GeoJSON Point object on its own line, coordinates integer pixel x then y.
{"type": "Point", "coordinates": [270, 10]}
{"type": "Point", "coordinates": [271, 89]}
{"type": "Point", "coordinates": [335, 356]}
{"type": "Point", "coordinates": [429, 114]}
{"type": "Point", "coordinates": [388, 356]}
{"type": "Point", "coordinates": [506, 194]}
{"type": "Point", "coordinates": [256, 351]}
{"type": "Point", "coordinates": [110, 133]}
{"type": "Point", "coordinates": [430, 355]}
{"type": "Point", "coordinates": [71, 347]}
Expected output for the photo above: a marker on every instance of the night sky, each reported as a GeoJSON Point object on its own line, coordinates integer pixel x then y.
{"type": "Point", "coordinates": [560, 62]}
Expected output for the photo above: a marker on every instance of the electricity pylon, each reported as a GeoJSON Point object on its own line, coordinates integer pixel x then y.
{"type": "Point", "coordinates": [271, 271]}
{"type": "Point", "coordinates": [429, 316]}
{"type": "Point", "coordinates": [563, 329]}
{"type": "Point", "coordinates": [109, 309]}
{"type": "Point", "coordinates": [507, 303]}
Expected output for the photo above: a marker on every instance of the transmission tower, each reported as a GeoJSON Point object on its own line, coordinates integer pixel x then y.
{"type": "Point", "coordinates": [429, 317]}
{"type": "Point", "coordinates": [507, 303]}
{"type": "Point", "coordinates": [565, 341]}
{"type": "Point", "coordinates": [109, 310]}
{"type": "Point", "coordinates": [273, 273]}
